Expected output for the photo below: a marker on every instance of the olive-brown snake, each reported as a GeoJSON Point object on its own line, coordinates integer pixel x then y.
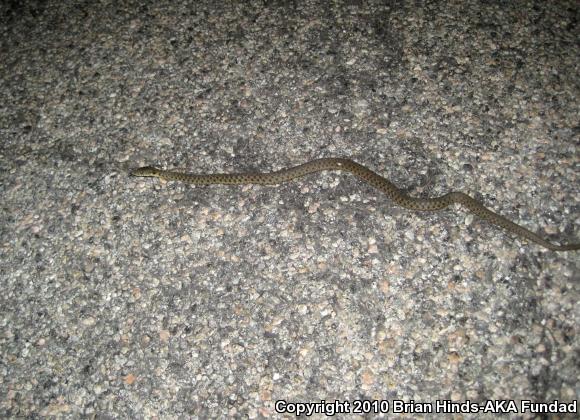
{"type": "Point", "coordinates": [370, 177]}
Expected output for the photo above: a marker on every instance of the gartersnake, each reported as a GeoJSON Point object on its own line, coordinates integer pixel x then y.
{"type": "Point", "coordinates": [368, 176]}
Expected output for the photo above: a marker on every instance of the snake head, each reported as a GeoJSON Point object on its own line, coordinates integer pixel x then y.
{"type": "Point", "coordinates": [145, 171]}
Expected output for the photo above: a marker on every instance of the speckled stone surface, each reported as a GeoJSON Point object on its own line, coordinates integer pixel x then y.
{"type": "Point", "coordinates": [127, 297]}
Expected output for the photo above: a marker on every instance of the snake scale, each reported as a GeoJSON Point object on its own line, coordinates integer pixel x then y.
{"type": "Point", "coordinates": [388, 188]}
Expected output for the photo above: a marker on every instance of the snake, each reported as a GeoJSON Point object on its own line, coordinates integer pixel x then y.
{"type": "Point", "coordinates": [392, 192]}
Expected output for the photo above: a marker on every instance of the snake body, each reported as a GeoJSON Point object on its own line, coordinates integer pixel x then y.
{"type": "Point", "coordinates": [388, 188]}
